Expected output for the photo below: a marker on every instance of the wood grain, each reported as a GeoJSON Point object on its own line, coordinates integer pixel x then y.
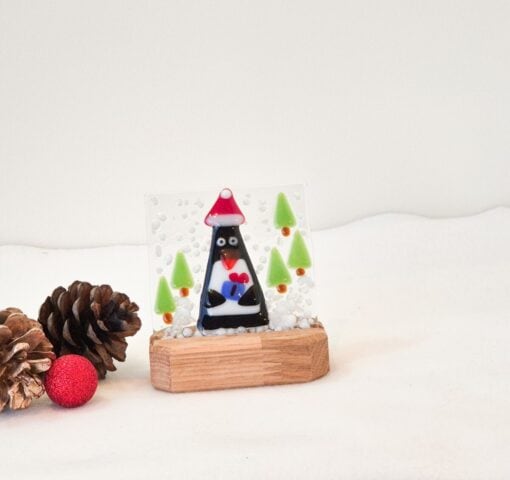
{"type": "Point", "coordinates": [246, 360]}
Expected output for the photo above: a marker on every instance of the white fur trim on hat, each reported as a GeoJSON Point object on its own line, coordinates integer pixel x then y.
{"type": "Point", "coordinates": [226, 220]}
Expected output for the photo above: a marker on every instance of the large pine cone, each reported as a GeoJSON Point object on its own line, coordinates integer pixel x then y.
{"type": "Point", "coordinates": [25, 354]}
{"type": "Point", "coordinates": [92, 321]}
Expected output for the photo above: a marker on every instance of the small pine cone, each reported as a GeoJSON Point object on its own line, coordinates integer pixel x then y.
{"type": "Point", "coordinates": [92, 321]}
{"type": "Point", "coordinates": [25, 354]}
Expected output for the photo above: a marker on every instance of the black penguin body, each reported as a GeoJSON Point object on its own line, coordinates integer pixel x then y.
{"type": "Point", "coordinates": [231, 295]}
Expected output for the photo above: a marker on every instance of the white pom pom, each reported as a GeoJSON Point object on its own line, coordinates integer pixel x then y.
{"type": "Point", "coordinates": [226, 193]}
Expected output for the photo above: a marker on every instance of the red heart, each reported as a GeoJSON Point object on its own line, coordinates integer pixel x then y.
{"type": "Point", "coordinates": [242, 278]}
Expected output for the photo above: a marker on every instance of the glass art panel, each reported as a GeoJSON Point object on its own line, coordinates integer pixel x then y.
{"type": "Point", "coordinates": [230, 262]}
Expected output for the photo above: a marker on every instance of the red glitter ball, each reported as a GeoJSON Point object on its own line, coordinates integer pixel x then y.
{"type": "Point", "coordinates": [71, 381]}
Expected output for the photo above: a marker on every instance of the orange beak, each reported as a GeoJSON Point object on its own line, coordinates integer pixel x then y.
{"type": "Point", "coordinates": [229, 257]}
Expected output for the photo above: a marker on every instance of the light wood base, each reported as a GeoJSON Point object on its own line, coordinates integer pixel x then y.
{"type": "Point", "coordinates": [244, 360]}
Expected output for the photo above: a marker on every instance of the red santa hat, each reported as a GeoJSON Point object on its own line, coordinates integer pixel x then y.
{"type": "Point", "coordinates": [225, 212]}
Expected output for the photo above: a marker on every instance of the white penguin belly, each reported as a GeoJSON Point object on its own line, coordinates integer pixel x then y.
{"type": "Point", "coordinates": [232, 284]}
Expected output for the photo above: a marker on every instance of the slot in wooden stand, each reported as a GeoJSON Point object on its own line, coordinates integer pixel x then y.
{"type": "Point", "coordinates": [244, 360]}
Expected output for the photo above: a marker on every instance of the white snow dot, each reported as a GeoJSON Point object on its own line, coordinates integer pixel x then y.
{"type": "Point", "coordinates": [155, 225]}
{"type": "Point", "coordinates": [303, 323]}
{"type": "Point", "coordinates": [188, 332]}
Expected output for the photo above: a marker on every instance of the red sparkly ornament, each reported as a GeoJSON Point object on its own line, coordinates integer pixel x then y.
{"type": "Point", "coordinates": [71, 381]}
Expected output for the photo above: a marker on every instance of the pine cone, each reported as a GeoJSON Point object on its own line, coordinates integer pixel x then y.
{"type": "Point", "coordinates": [25, 354]}
{"type": "Point", "coordinates": [92, 321]}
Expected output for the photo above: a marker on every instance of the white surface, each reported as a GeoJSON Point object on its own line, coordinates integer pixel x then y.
{"type": "Point", "coordinates": [418, 316]}
{"type": "Point", "coordinates": [379, 106]}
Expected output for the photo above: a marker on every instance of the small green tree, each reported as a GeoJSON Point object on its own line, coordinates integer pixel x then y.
{"type": "Point", "coordinates": [278, 275]}
{"type": "Point", "coordinates": [283, 215]}
{"type": "Point", "coordinates": [165, 303]}
{"type": "Point", "coordinates": [299, 258]}
{"type": "Point", "coordinates": [181, 275]}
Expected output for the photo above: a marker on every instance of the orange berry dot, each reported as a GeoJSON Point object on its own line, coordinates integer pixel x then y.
{"type": "Point", "coordinates": [281, 288]}
{"type": "Point", "coordinates": [168, 318]}
{"type": "Point", "coordinates": [300, 272]}
{"type": "Point", "coordinates": [285, 231]}
{"type": "Point", "coordinates": [184, 292]}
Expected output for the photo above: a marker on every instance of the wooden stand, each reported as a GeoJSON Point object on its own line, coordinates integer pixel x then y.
{"type": "Point", "coordinates": [244, 360]}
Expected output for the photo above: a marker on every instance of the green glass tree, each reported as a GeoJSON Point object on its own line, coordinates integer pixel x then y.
{"type": "Point", "coordinates": [165, 303]}
{"type": "Point", "coordinates": [299, 258]}
{"type": "Point", "coordinates": [181, 275]}
{"type": "Point", "coordinates": [284, 216]}
{"type": "Point", "coordinates": [278, 275]}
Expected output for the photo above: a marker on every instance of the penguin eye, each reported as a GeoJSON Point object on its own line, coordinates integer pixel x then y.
{"type": "Point", "coordinates": [221, 242]}
{"type": "Point", "coordinates": [233, 241]}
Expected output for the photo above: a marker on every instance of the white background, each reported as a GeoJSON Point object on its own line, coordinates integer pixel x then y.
{"type": "Point", "coordinates": [378, 106]}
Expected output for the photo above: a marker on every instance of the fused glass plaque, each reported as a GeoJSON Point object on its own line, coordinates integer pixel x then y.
{"type": "Point", "coordinates": [230, 261]}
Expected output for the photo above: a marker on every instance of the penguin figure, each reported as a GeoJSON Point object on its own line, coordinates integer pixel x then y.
{"type": "Point", "coordinates": [231, 296]}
